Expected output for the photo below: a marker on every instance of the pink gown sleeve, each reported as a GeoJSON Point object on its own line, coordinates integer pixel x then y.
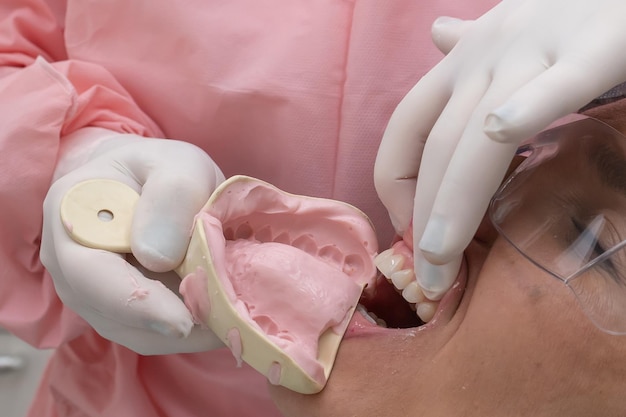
{"type": "Point", "coordinates": [43, 97]}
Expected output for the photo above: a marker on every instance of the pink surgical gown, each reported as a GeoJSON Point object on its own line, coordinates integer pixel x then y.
{"type": "Point", "coordinates": [296, 92]}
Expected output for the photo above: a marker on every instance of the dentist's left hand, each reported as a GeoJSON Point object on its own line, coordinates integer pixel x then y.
{"type": "Point", "coordinates": [506, 76]}
{"type": "Point", "coordinates": [126, 299]}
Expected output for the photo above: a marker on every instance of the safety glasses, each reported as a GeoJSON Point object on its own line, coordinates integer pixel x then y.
{"type": "Point", "coordinates": [564, 209]}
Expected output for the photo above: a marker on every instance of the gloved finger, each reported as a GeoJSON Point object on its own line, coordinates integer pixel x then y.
{"type": "Point", "coordinates": [147, 342]}
{"type": "Point", "coordinates": [398, 159]}
{"type": "Point", "coordinates": [105, 283]}
{"type": "Point", "coordinates": [437, 267]}
{"type": "Point", "coordinates": [436, 280]}
{"type": "Point", "coordinates": [441, 145]}
{"type": "Point", "coordinates": [474, 172]}
{"type": "Point", "coordinates": [446, 32]}
{"type": "Point", "coordinates": [560, 90]}
{"type": "Point", "coordinates": [173, 192]}
{"type": "Point", "coordinates": [143, 341]}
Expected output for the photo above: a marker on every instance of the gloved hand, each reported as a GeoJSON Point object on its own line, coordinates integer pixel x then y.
{"type": "Point", "coordinates": [506, 76]}
{"type": "Point", "coordinates": [121, 299]}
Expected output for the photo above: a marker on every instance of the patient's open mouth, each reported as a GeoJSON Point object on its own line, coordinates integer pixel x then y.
{"type": "Point", "coordinates": [396, 265]}
{"type": "Point", "coordinates": [286, 236]}
{"type": "Point", "coordinates": [383, 305]}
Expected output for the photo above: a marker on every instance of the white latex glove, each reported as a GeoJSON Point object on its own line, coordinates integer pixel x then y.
{"type": "Point", "coordinates": [505, 77]}
{"type": "Point", "coordinates": [175, 179]}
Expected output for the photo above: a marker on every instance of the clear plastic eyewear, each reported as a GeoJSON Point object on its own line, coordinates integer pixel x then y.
{"type": "Point", "coordinates": [564, 209]}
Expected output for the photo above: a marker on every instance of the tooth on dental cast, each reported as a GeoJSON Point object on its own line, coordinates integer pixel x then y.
{"type": "Point", "coordinates": [244, 231]}
{"type": "Point", "coordinates": [388, 263]}
{"type": "Point", "coordinates": [264, 234]}
{"type": "Point", "coordinates": [306, 244]}
{"type": "Point", "coordinates": [401, 279]}
{"type": "Point", "coordinates": [426, 310]}
{"type": "Point", "coordinates": [331, 253]}
{"type": "Point", "coordinates": [413, 293]}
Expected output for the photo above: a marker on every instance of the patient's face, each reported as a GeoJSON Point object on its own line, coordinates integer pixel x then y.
{"type": "Point", "coordinates": [514, 343]}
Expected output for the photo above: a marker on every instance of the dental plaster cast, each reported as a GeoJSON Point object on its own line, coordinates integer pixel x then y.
{"type": "Point", "coordinates": [506, 76]}
{"type": "Point", "coordinates": [275, 276]}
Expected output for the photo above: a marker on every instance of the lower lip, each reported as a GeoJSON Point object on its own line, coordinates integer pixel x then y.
{"type": "Point", "coordinates": [360, 326]}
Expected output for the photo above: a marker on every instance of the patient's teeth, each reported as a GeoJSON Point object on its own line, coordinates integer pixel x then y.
{"type": "Point", "coordinates": [402, 278]}
{"type": "Point", "coordinates": [366, 314]}
{"type": "Point", "coordinates": [383, 258]}
{"type": "Point", "coordinates": [426, 310]}
{"type": "Point", "coordinates": [413, 293]}
{"type": "Point", "coordinates": [388, 263]}
{"type": "Point", "coordinates": [371, 317]}
{"type": "Point", "coordinates": [377, 319]}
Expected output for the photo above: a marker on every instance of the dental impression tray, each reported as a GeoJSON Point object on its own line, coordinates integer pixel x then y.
{"type": "Point", "coordinates": [275, 276]}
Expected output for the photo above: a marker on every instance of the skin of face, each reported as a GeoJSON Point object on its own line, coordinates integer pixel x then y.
{"type": "Point", "coordinates": [518, 345]}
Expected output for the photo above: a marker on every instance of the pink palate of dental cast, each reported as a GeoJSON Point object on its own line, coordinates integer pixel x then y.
{"type": "Point", "coordinates": [278, 257]}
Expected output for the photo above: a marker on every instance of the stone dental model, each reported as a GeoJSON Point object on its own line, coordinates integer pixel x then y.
{"type": "Point", "coordinates": [275, 276]}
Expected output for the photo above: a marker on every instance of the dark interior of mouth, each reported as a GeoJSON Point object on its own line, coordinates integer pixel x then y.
{"type": "Point", "coordinates": [387, 304]}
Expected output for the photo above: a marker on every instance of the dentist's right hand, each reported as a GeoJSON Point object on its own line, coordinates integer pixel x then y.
{"type": "Point", "coordinates": [126, 299]}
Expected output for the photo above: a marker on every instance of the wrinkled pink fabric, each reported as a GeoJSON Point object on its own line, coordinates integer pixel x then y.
{"type": "Point", "coordinates": [295, 92]}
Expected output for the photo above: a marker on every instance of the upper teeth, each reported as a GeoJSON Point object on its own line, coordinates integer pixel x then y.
{"type": "Point", "coordinates": [392, 266]}
{"type": "Point", "coordinates": [388, 263]}
{"type": "Point", "coordinates": [413, 293]}
{"type": "Point", "coordinates": [401, 279]}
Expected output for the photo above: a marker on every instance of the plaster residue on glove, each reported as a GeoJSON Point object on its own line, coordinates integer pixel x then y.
{"type": "Point", "coordinates": [294, 267]}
